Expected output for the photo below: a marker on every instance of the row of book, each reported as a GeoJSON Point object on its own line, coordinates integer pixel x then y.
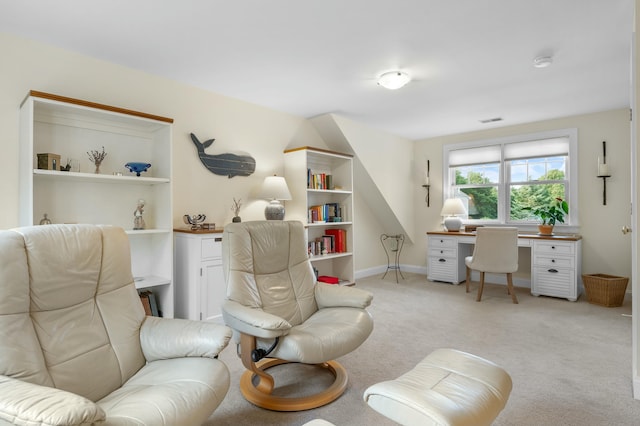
{"type": "Point", "coordinates": [330, 212]}
{"type": "Point", "coordinates": [333, 241]}
{"type": "Point", "coordinates": [319, 180]}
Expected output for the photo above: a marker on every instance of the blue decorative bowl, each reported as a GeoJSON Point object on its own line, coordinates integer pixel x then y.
{"type": "Point", "coordinates": [137, 168]}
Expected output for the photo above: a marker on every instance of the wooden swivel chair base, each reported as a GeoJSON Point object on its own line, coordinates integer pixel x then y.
{"type": "Point", "coordinates": [481, 287]}
{"type": "Point", "coordinates": [258, 391]}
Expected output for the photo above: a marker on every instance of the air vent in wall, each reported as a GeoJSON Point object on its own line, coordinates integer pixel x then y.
{"type": "Point", "coordinates": [491, 120]}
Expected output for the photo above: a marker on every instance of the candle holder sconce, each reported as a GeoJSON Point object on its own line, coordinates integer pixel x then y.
{"type": "Point", "coordinates": [603, 172]}
{"type": "Point", "coordinates": [426, 184]}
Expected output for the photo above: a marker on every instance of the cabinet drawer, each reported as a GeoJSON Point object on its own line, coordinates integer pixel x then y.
{"type": "Point", "coordinates": [211, 247]}
{"type": "Point", "coordinates": [558, 284]}
{"type": "Point", "coordinates": [442, 242]}
{"type": "Point", "coordinates": [554, 262]}
{"type": "Point", "coordinates": [442, 252]}
{"type": "Point", "coordinates": [442, 267]}
{"type": "Point", "coordinates": [548, 247]}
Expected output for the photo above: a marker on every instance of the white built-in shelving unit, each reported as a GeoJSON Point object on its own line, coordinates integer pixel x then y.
{"type": "Point", "coordinates": [70, 128]}
{"type": "Point", "coordinates": [299, 164]}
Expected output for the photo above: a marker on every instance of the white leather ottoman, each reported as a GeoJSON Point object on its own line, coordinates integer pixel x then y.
{"type": "Point", "coordinates": [448, 387]}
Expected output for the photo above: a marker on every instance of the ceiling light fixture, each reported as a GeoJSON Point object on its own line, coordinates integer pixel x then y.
{"type": "Point", "coordinates": [542, 61]}
{"type": "Point", "coordinates": [393, 79]}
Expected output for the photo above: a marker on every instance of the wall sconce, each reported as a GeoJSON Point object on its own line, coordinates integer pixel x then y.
{"type": "Point", "coordinates": [603, 172]}
{"type": "Point", "coordinates": [451, 208]}
{"type": "Point", "coordinates": [426, 183]}
{"type": "Point", "coordinates": [274, 188]}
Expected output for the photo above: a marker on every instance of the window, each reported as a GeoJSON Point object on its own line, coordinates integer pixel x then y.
{"type": "Point", "coordinates": [496, 179]}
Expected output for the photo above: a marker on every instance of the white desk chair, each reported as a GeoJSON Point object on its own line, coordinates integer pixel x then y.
{"type": "Point", "coordinates": [496, 251]}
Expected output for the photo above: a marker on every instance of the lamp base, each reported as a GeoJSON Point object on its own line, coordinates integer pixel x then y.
{"type": "Point", "coordinates": [274, 210]}
{"type": "Point", "coordinates": [453, 223]}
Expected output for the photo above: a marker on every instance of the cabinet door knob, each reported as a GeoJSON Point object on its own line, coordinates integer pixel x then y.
{"type": "Point", "coordinates": [442, 241]}
{"type": "Point", "coordinates": [441, 251]}
{"type": "Point", "coordinates": [553, 270]}
{"type": "Point", "coordinates": [553, 247]}
{"type": "Point", "coordinates": [553, 261]}
{"type": "Point", "coordinates": [442, 260]}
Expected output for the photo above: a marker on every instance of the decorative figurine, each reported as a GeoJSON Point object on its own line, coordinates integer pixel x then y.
{"type": "Point", "coordinates": [236, 210]}
{"type": "Point", "coordinates": [45, 220]}
{"type": "Point", "coordinates": [138, 221]}
{"type": "Point", "coordinates": [96, 158]}
{"type": "Point", "coordinates": [137, 168]}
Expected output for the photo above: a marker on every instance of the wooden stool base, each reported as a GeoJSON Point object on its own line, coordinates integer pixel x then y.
{"type": "Point", "coordinates": [277, 403]}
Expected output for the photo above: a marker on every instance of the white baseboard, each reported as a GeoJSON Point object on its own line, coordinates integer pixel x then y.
{"type": "Point", "coordinates": [380, 270]}
{"type": "Point", "coordinates": [422, 270]}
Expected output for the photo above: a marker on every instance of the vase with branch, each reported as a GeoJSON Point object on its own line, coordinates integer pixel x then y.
{"type": "Point", "coordinates": [96, 158]}
{"type": "Point", "coordinates": [235, 208]}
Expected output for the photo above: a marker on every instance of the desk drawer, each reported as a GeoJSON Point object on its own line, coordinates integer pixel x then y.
{"type": "Point", "coordinates": [443, 252]}
{"type": "Point", "coordinates": [211, 247]}
{"type": "Point", "coordinates": [442, 269]}
{"type": "Point", "coordinates": [558, 284]}
{"type": "Point", "coordinates": [442, 242]}
{"type": "Point", "coordinates": [551, 247]}
{"type": "Point", "coordinates": [554, 262]}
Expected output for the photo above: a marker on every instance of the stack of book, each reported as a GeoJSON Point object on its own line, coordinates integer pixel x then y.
{"type": "Point", "coordinates": [325, 213]}
{"type": "Point", "coordinates": [334, 241]}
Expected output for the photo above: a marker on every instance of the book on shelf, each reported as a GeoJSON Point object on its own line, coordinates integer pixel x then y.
{"type": "Point", "coordinates": [328, 212]}
{"type": "Point", "coordinates": [319, 180]}
{"type": "Point", "coordinates": [340, 239]}
{"type": "Point", "coordinates": [149, 303]}
{"type": "Point", "coordinates": [328, 279]}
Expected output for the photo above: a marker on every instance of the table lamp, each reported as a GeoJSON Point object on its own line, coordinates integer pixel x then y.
{"type": "Point", "coordinates": [275, 188]}
{"type": "Point", "coordinates": [451, 208]}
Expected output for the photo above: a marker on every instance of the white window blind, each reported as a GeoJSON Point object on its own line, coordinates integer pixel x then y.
{"type": "Point", "coordinates": [536, 149]}
{"type": "Point", "coordinates": [478, 155]}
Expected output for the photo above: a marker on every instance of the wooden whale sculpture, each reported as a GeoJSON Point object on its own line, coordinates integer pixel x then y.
{"type": "Point", "coordinates": [224, 164]}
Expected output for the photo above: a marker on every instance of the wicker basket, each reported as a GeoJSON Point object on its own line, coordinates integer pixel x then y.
{"type": "Point", "coordinates": [605, 290]}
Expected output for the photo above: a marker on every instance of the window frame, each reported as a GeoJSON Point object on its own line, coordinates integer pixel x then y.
{"type": "Point", "coordinates": [571, 176]}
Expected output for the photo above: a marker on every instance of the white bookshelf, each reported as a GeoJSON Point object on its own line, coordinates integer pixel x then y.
{"type": "Point", "coordinates": [340, 166]}
{"type": "Point", "coordinates": [72, 127]}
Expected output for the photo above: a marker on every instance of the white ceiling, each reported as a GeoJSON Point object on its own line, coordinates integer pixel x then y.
{"type": "Point", "coordinates": [470, 59]}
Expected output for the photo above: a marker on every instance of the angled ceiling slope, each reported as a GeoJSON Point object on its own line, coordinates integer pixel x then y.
{"type": "Point", "coordinates": [368, 177]}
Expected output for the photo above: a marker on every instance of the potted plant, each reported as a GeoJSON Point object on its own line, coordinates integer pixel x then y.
{"type": "Point", "coordinates": [550, 214]}
{"type": "Point", "coordinates": [235, 208]}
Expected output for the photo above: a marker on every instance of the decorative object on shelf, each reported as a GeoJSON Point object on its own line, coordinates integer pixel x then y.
{"type": "Point", "coordinates": [66, 167]}
{"type": "Point", "coordinates": [550, 214]}
{"type": "Point", "coordinates": [275, 189]}
{"type": "Point", "coordinates": [603, 172]}
{"type": "Point", "coordinates": [224, 164]}
{"type": "Point", "coordinates": [235, 208]}
{"type": "Point", "coordinates": [451, 208]}
{"type": "Point", "coordinates": [45, 220]}
{"type": "Point", "coordinates": [138, 220]}
{"type": "Point", "coordinates": [195, 221]}
{"type": "Point", "coordinates": [137, 168]}
{"type": "Point", "coordinates": [48, 161]}
{"type": "Point", "coordinates": [426, 183]}
{"type": "Point", "coordinates": [96, 158]}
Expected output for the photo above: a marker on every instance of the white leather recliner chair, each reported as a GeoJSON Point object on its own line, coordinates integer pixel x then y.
{"type": "Point", "coordinates": [282, 315]}
{"type": "Point", "coordinates": [76, 347]}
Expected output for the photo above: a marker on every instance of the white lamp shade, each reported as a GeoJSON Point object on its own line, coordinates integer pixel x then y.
{"type": "Point", "coordinates": [451, 208]}
{"type": "Point", "coordinates": [275, 188]}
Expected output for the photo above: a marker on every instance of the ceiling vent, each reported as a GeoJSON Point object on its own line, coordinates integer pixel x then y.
{"type": "Point", "coordinates": [491, 120]}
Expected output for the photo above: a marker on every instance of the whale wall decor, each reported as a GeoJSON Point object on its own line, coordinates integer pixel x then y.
{"type": "Point", "coordinates": [224, 164]}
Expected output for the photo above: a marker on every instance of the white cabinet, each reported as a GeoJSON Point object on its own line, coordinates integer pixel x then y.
{"type": "Point", "coordinates": [304, 166]}
{"type": "Point", "coordinates": [70, 128]}
{"type": "Point", "coordinates": [555, 269]}
{"type": "Point", "coordinates": [445, 260]}
{"type": "Point", "coordinates": [199, 279]}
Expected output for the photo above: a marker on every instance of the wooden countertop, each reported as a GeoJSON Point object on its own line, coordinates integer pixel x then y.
{"type": "Point", "coordinates": [532, 235]}
{"type": "Point", "coordinates": [199, 231]}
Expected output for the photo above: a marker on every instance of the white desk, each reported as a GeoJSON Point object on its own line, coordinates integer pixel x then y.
{"type": "Point", "coordinates": [556, 261]}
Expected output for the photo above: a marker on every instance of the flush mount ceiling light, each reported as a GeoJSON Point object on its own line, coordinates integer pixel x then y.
{"type": "Point", "coordinates": [542, 61]}
{"type": "Point", "coordinates": [393, 79]}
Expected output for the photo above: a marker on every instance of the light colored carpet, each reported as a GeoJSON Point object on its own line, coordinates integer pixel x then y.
{"type": "Point", "coordinates": [570, 361]}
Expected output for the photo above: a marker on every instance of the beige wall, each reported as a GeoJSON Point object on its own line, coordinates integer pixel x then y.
{"type": "Point", "coordinates": [237, 126]}
{"type": "Point", "coordinates": [605, 249]}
